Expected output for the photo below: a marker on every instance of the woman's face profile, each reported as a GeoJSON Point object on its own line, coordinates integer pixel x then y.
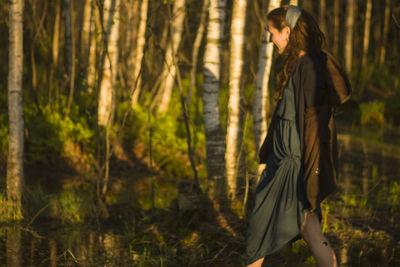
{"type": "Point", "coordinates": [279, 38]}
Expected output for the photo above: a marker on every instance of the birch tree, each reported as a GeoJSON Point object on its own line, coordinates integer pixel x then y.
{"type": "Point", "coordinates": [215, 143]}
{"type": "Point", "coordinates": [169, 70]}
{"type": "Point", "coordinates": [140, 42]}
{"type": "Point", "coordinates": [349, 34]}
{"type": "Point", "coordinates": [15, 167]}
{"type": "Point", "coordinates": [234, 126]}
{"type": "Point", "coordinates": [108, 85]}
{"type": "Point", "coordinates": [261, 105]}
{"type": "Point", "coordinates": [385, 32]}
{"type": "Point", "coordinates": [367, 30]}
{"type": "Point", "coordinates": [109, 72]}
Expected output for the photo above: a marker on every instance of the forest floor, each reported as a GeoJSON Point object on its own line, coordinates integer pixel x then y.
{"type": "Point", "coordinates": [203, 234]}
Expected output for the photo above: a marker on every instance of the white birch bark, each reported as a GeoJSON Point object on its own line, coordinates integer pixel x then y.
{"type": "Point", "coordinates": [349, 34]}
{"type": "Point", "coordinates": [169, 69]}
{"type": "Point", "coordinates": [367, 30]}
{"type": "Point", "coordinates": [15, 168]}
{"type": "Point", "coordinates": [261, 105]}
{"type": "Point", "coordinates": [382, 53]}
{"type": "Point", "coordinates": [108, 80]}
{"type": "Point", "coordinates": [234, 127]}
{"type": "Point", "coordinates": [140, 42]}
{"type": "Point", "coordinates": [215, 143]}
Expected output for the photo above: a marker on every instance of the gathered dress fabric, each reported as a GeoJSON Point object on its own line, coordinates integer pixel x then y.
{"type": "Point", "coordinates": [279, 203]}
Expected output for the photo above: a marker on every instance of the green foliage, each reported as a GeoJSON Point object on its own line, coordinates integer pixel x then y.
{"type": "Point", "coordinates": [49, 133]}
{"type": "Point", "coordinates": [71, 206]}
{"type": "Point", "coordinates": [394, 197]}
{"type": "Point", "coordinates": [8, 211]}
{"type": "Point", "coordinates": [372, 113]}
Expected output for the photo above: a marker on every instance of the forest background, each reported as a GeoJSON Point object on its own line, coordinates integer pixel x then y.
{"type": "Point", "coordinates": [130, 129]}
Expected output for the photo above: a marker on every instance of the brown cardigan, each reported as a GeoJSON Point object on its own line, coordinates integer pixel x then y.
{"type": "Point", "coordinates": [320, 84]}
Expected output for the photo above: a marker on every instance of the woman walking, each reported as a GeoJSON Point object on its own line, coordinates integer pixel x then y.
{"type": "Point", "coordinates": [300, 147]}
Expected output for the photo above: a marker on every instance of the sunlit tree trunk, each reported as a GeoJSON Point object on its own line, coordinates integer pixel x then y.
{"type": "Point", "coordinates": [336, 21]}
{"type": "Point", "coordinates": [71, 49]}
{"type": "Point", "coordinates": [109, 72]}
{"type": "Point", "coordinates": [349, 34]}
{"type": "Point", "coordinates": [195, 51]}
{"type": "Point", "coordinates": [140, 42]}
{"type": "Point", "coordinates": [15, 166]}
{"type": "Point", "coordinates": [382, 53]}
{"type": "Point", "coordinates": [107, 87]}
{"type": "Point", "coordinates": [169, 70]}
{"type": "Point", "coordinates": [215, 143]}
{"type": "Point", "coordinates": [93, 42]}
{"type": "Point", "coordinates": [367, 30]}
{"type": "Point", "coordinates": [261, 104]}
{"type": "Point", "coordinates": [55, 48]}
{"type": "Point", "coordinates": [234, 125]}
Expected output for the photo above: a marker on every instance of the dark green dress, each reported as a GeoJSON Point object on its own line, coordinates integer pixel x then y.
{"type": "Point", "coordinates": [279, 202]}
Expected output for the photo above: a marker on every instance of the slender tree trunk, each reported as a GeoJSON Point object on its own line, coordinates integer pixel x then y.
{"type": "Point", "coordinates": [367, 30]}
{"type": "Point", "coordinates": [93, 43]}
{"type": "Point", "coordinates": [261, 104]}
{"type": "Point", "coordinates": [169, 71]}
{"type": "Point", "coordinates": [382, 53]}
{"type": "Point", "coordinates": [108, 84]}
{"type": "Point", "coordinates": [234, 125]}
{"type": "Point", "coordinates": [195, 51]}
{"type": "Point", "coordinates": [15, 166]}
{"type": "Point", "coordinates": [322, 17]}
{"type": "Point", "coordinates": [134, 18]}
{"type": "Point", "coordinates": [13, 246]}
{"type": "Point", "coordinates": [215, 143]}
{"type": "Point", "coordinates": [71, 50]}
{"type": "Point", "coordinates": [55, 48]}
{"type": "Point", "coordinates": [336, 27]}
{"type": "Point", "coordinates": [109, 72]}
{"type": "Point", "coordinates": [140, 43]}
{"type": "Point", "coordinates": [86, 30]}
{"type": "Point", "coordinates": [349, 34]}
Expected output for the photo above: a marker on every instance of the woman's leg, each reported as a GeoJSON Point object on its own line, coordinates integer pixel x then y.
{"type": "Point", "coordinates": [257, 263]}
{"type": "Point", "coordinates": [320, 247]}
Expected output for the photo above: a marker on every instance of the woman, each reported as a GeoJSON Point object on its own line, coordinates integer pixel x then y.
{"type": "Point", "coordinates": [300, 147]}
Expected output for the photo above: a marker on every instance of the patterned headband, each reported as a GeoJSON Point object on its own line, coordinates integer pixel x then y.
{"type": "Point", "coordinates": [292, 15]}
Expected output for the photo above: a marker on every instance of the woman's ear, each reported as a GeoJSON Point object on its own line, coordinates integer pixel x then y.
{"type": "Point", "coordinates": [286, 30]}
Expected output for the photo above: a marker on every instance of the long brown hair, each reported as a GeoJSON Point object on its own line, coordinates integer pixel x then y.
{"type": "Point", "coordinates": [306, 36]}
